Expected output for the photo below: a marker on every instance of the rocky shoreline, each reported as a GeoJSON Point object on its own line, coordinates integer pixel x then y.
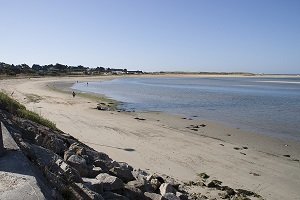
{"type": "Point", "coordinates": [76, 171]}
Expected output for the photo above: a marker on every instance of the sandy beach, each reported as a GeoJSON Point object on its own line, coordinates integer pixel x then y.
{"type": "Point", "coordinates": [162, 143]}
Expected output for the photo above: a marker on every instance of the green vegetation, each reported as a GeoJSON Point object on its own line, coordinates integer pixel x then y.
{"type": "Point", "coordinates": [14, 107]}
{"type": "Point", "coordinates": [58, 70]}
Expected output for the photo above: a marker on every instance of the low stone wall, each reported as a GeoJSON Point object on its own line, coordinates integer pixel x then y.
{"type": "Point", "coordinates": [1, 140]}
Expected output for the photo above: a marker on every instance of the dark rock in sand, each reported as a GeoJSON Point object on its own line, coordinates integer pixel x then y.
{"type": "Point", "coordinates": [242, 192]}
{"type": "Point", "coordinates": [203, 175]}
{"type": "Point", "coordinates": [214, 184]}
{"type": "Point", "coordinates": [99, 107]}
{"type": "Point", "coordinates": [229, 191]}
{"type": "Point", "coordinates": [254, 174]}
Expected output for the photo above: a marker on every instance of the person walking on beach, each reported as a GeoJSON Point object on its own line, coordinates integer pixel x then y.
{"type": "Point", "coordinates": [74, 94]}
{"type": "Point", "coordinates": [87, 83]}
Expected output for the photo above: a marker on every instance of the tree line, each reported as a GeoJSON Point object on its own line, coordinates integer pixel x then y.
{"type": "Point", "coordinates": [57, 69]}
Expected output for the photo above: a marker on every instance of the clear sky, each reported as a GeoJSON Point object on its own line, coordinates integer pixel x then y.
{"type": "Point", "coordinates": [261, 36]}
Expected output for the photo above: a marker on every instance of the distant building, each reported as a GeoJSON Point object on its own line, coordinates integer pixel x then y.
{"type": "Point", "coordinates": [135, 72]}
{"type": "Point", "coordinates": [118, 71]}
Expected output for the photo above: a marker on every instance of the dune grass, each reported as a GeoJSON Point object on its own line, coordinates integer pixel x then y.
{"type": "Point", "coordinates": [14, 107]}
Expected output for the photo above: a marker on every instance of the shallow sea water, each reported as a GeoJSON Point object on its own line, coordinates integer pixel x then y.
{"type": "Point", "coordinates": [264, 105]}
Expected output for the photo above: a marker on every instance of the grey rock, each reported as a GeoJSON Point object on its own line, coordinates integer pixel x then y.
{"type": "Point", "coordinates": [79, 164]}
{"type": "Point", "coordinates": [171, 196]}
{"type": "Point", "coordinates": [77, 148]}
{"type": "Point", "coordinates": [55, 144]}
{"type": "Point", "coordinates": [166, 188]}
{"type": "Point", "coordinates": [67, 154]}
{"type": "Point", "coordinates": [93, 172]}
{"type": "Point", "coordinates": [94, 184]}
{"type": "Point", "coordinates": [110, 182]}
{"type": "Point", "coordinates": [155, 184]}
{"type": "Point", "coordinates": [67, 172]}
{"type": "Point", "coordinates": [181, 196]}
{"type": "Point", "coordinates": [153, 196]}
{"type": "Point", "coordinates": [133, 193]}
{"type": "Point", "coordinates": [113, 196]}
{"type": "Point", "coordinates": [103, 164]}
{"type": "Point", "coordinates": [123, 173]}
{"type": "Point", "coordinates": [94, 155]}
{"type": "Point", "coordinates": [143, 185]}
{"type": "Point", "coordinates": [85, 193]}
{"type": "Point", "coordinates": [139, 174]}
{"type": "Point", "coordinates": [214, 184]}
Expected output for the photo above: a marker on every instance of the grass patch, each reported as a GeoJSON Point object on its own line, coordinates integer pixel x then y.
{"type": "Point", "coordinates": [9, 104]}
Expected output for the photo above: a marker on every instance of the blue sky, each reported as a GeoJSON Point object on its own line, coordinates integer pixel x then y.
{"type": "Point", "coordinates": [261, 36]}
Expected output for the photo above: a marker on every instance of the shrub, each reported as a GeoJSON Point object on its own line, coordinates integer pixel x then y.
{"type": "Point", "coordinates": [9, 104]}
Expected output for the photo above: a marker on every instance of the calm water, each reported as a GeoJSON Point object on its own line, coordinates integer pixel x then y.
{"type": "Point", "coordinates": [264, 105]}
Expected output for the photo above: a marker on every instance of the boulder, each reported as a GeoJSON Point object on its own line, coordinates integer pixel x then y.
{"type": "Point", "coordinates": [66, 172]}
{"type": "Point", "coordinates": [153, 196]}
{"type": "Point", "coordinates": [139, 174]}
{"type": "Point", "coordinates": [143, 185]}
{"type": "Point", "coordinates": [94, 184]}
{"type": "Point", "coordinates": [181, 196]}
{"type": "Point", "coordinates": [102, 163]}
{"type": "Point", "coordinates": [77, 149]}
{"type": "Point", "coordinates": [113, 196]}
{"type": "Point", "coordinates": [133, 193]}
{"type": "Point", "coordinates": [214, 184]}
{"type": "Point", "coordinates": [55, 144]}
{"type": "Point", "coordinates": [171, 196]}
{"type": "Point", "coordinates": [94, 171]}
{"type": "Point", "coordinates": [123, 173]}
{"type": "Point", "coordinates": [84, 192]}
{"type": "Point", "coordinates": [166, 188]}
{"type": "Point", "coordinates": [94, 155]}
{"type": "Point", "coordinates": [79, 164]}
{"type": "Point", "coordinates": [155, 184]}
{"type": "Point", "coordinates": [110, 182]}
{"type": "Point", "coordinates": [67, 154]}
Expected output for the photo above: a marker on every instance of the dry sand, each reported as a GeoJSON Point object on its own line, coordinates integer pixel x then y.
{"type": "Point", "coordinates": [162, 143]}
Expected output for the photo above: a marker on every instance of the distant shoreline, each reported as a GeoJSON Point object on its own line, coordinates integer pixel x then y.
{"type": "Point", "coordinates": [159, 74]}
